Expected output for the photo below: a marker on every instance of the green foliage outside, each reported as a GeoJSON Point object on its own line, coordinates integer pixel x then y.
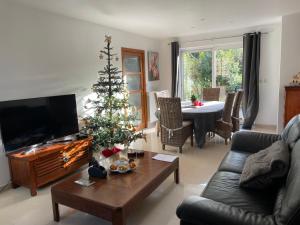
{"type": "Point", "coordinates": [197, 69]}
{"type": "Point", "coordinates": [230, 68]}
{"type": "Point", "coordinates": [197, 73]}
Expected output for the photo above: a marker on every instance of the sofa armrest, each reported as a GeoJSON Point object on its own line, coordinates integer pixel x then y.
{"type": "Point", "coordinates": [252, 141]}
{"type": "Point", "coordinates": [199, 210]}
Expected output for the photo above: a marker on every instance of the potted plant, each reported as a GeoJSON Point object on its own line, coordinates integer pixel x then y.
{"type": "Point", "coordinates": [193, 98]}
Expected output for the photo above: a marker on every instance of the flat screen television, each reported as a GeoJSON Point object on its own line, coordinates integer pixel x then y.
{"type": "Point", "coordinates": [27, 122]}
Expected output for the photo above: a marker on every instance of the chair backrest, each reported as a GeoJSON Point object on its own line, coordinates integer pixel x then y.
{"type": "Point", "coordinates": [161, 94]}
{"type": "Point", "coordinates": [237, 104]}
{"type": "Point", "coordinates": [228, 107]}
{"type": "Point", "coordinates": [211, 94]}
{"type": "Point", "coordinates": [170, 112]}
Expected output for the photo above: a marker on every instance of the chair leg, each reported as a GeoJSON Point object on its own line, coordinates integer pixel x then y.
{"type": "Point", "coordinates": [180, 149]}
{"type": "Point", "coordinates": [192, 140]}
{"type": "Point", "coordinates": [163, 146]}
{"type": "Point", "coordinates": [157, 129]}
{"type": "Point", "coordinates": [226, 142]}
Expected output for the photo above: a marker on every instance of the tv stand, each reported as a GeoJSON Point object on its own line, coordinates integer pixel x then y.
{"type": "Point", "coordinates": [47, 163]}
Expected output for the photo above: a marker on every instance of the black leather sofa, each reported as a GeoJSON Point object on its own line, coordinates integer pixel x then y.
{"type": "Point", "coordinates": [223, 202]}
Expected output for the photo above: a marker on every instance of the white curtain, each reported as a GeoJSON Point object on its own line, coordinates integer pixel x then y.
{"type": "Point", "coordinates": [179, 80]}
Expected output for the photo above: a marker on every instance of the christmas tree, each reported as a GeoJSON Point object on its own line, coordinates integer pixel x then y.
{"type": "Point", "coordinates": [113, 117]}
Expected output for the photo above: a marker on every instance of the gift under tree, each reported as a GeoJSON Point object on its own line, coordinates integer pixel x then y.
{"type": "Point", "coordinates": [113, 117]}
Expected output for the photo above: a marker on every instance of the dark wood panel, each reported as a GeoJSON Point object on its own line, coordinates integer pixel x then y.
{"type": "Point", "coordinates": [59, 173]}
{"type": "Point", "coordinates": [292, 103]}
{"type": "Point", "coordinates": [48, 163]}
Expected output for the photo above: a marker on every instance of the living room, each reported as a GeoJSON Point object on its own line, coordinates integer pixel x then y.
{"type": "Point", "coordinates": [53, 48]}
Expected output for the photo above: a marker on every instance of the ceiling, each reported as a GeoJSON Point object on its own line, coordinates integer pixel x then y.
{"type": "Point", "coordinates": [172, 18]}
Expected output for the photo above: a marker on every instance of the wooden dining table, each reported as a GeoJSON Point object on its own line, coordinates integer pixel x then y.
{"type": "Point", "coordinates": [204, 118]}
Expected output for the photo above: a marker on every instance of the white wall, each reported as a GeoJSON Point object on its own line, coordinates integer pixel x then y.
{"type": "Point", "coordinates": [43, 54]}
{"type": "Point", "coordinates": [269, 69]}
{"type": "Point", "coordinates": [290, 59]}
{"type": "Point", "coordinates": [165, 65]}
{"type": "Point", "coordinates": [269, 77]}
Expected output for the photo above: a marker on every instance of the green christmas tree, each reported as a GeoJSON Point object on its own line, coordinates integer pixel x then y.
{"type": "Point", "coordinates": [113, 117]}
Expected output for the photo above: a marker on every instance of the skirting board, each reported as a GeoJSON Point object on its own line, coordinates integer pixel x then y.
{"type": "Point", "coordinates": [265, 127]}
{"type": "Point", "coordinates": [5, 187]}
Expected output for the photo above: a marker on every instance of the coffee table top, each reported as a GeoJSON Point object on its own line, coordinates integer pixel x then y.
{"type": "Point", "coordinates": [118, 190]}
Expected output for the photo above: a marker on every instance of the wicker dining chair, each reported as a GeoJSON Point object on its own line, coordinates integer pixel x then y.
{"type": "Point", "coordinates": [224, 125]}
{"type": "Point", "coordinates": [235, 116]}
{"type": "Point", "coordinates": [159, 94]}
{"type": "Point", "coordinates": [211, 94]}
{"type": "Point", "coordinates": [174, 131]}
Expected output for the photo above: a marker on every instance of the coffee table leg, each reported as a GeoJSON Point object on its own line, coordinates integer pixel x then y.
{"type": "Point", "coordinates": [55, 211]}
{"type": "Point", "coordinates": [176, 176]}
{"type": "Point", "coordinates": [118, 218]}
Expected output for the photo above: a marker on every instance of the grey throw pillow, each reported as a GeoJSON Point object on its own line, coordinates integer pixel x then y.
{"type": "Point", "coordinates": [263, 167]}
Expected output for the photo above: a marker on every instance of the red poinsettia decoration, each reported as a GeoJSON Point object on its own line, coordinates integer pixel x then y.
{"type": "Point", "coordinates": [109, 152]}
{"type": "Point", "coordinates": [198, 103]}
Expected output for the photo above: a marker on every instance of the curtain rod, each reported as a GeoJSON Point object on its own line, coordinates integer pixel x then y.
{"type": "Point", "coordinates": [218, 38]}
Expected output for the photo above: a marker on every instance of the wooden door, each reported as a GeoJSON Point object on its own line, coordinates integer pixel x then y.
{"type": "Point", "coordinates": [133, 67]}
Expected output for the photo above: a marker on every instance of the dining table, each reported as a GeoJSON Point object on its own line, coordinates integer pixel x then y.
{"type": "Point", "coordinates": [203, 117]}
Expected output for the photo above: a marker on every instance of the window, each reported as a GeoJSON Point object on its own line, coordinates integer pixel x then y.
{"type": "Point", "coordinates": [211, 68]}
{"type": "Point", "coordinates": [197, 72]}
{"type": "Point", "coordinates": [229, 70]}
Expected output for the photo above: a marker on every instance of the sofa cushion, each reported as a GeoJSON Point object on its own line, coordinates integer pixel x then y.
{"type": "Point", "coordinates": [249, 141]}
{"type": "Point", "coordinates": [224, 187]}
{"type": "Point", "coordinates": [288, 203]}
{"type": "Point", "coordinates": [234, 161]}
{"type": "Point", "coordinates": [291, 132]}
{"type": "Point", "coordinates": [266, 166]}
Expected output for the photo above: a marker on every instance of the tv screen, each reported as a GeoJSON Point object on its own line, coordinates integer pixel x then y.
{"type": "Point", "coordinates": [33, 121]}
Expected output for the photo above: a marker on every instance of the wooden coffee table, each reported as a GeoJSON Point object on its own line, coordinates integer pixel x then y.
{"type": "Point", "coordinates": [113, 198]}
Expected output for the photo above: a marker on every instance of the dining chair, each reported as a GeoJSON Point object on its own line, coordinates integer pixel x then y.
{"type": "Point", "coordinates": [159, 94]}
{"type": "Point", "coordinates": [224, 125]}
{"type": "Point", "coordinates": [235, 116]}
{"type": "Point", "coordinates": [174, 131]}
{"type": "Point", "coordinates": [211, 94]}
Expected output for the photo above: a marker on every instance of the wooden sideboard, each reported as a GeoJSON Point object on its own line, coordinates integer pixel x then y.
{"type": "Point", "coordinates": [292, 102]}
{"type": "Point", "coordinates": [48, 163]}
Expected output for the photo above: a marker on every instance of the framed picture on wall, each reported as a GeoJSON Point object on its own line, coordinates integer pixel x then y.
{"type": "Point", "coordinates": [153, 66]}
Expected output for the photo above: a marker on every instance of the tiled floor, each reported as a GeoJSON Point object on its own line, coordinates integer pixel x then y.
{"type": "Point", "coordinates": [196, 167]}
